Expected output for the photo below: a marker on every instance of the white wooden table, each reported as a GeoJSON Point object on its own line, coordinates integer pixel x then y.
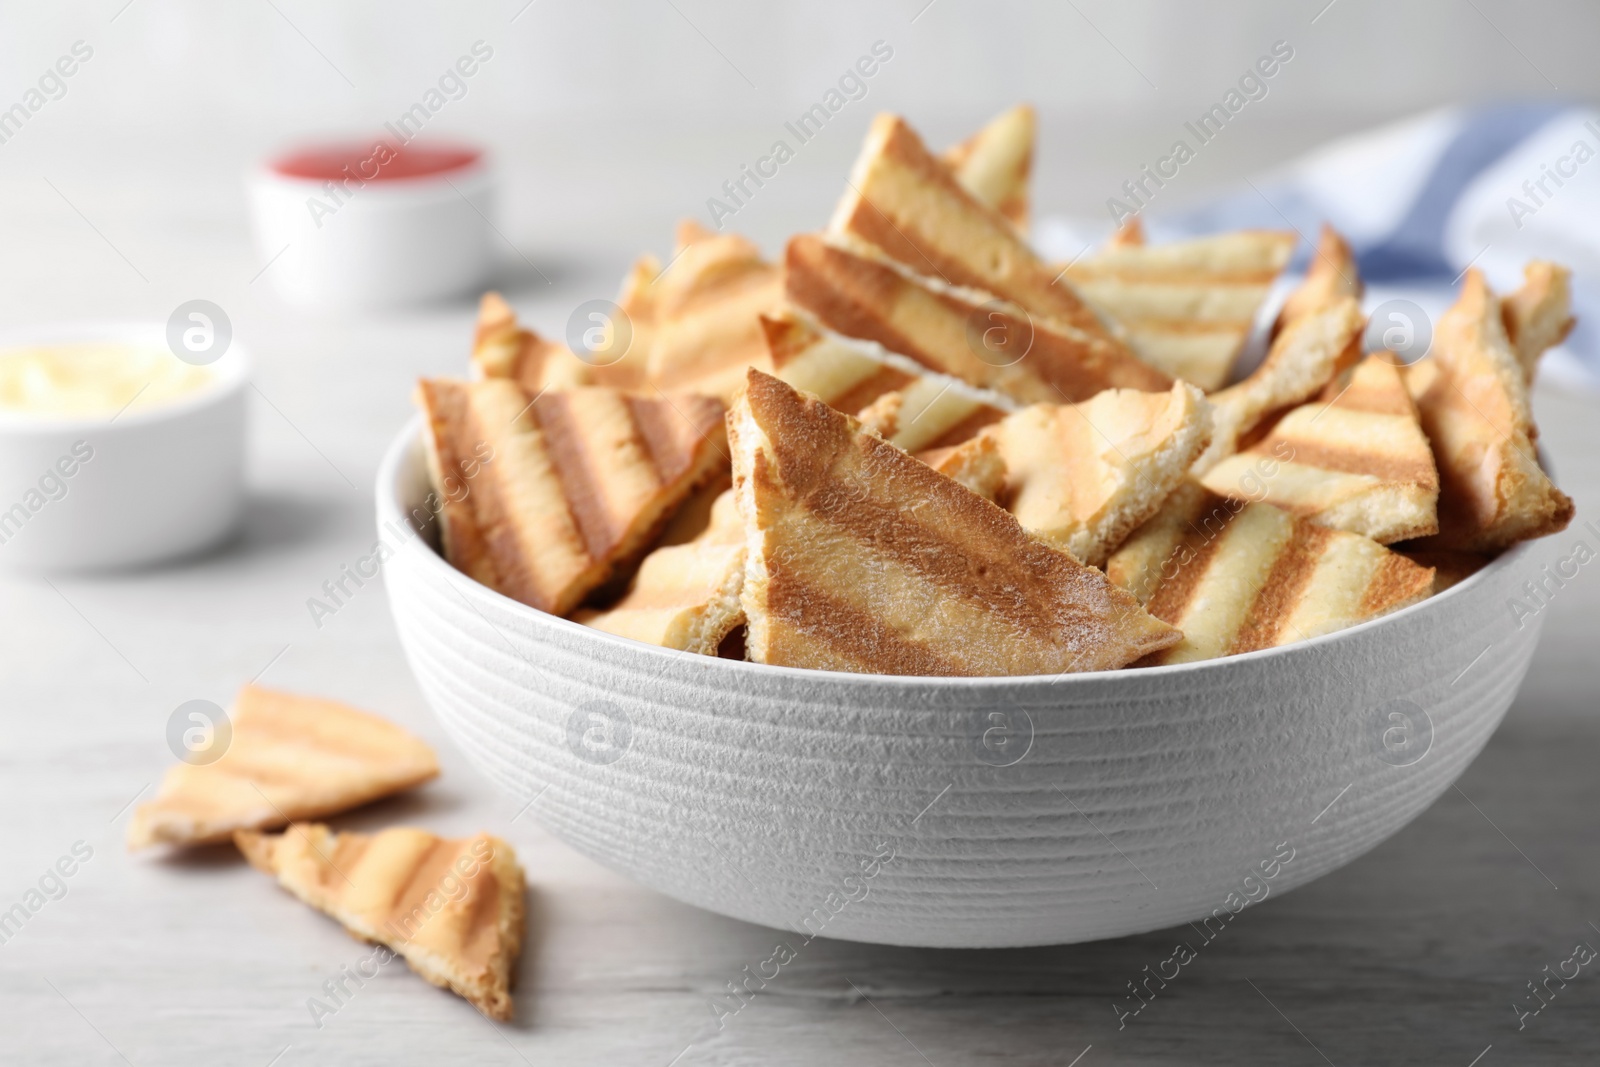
{"type": "Point", "coordinates": [1413, 954]}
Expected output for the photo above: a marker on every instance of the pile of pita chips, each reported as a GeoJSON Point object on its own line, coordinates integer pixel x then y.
{"type": "Point", "coordinates": [1090, 405]}
{"type": "Point", "coordinates": [453, 909]}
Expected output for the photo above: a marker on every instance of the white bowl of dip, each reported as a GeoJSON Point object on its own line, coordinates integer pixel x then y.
{"type": "Point", "coordinates": [114, 452]}
{"type": "Point", "coordinates": [374, 223]}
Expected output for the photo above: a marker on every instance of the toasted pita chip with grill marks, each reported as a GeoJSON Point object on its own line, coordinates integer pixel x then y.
{"type": "Point", "coordinates": [452, 909]}
{"type": "Point", "coordinates": [1237, 577]}
{"type": "Point", "coordinates": [503, 348]}
{"type": "Point", "coordinates": [1538, 316]}
{"type": "Point", "coordinates": [902, 200]}
{"type": "Point", "coordinates": [1472, 394]}
{"type": "Point", "coordinates": [1355, 460]}
{"type": "Point", "coordinates": [685, 596]}
{"type": "Point", "coordinates": [542, 497]}
{"type": "Point", "coordinates": [1303, 358]}
{"type": "Point", "coordinates": [288, 757]}
{"type": "Point", "coordinates": [1332, 274]}
{"type": "Point", "coordinates": [707, 313]}
{"type": "Point", "coordinates": [949, 330]}
{"type": "Point", "coordinates": [861, 558]}
{"type": "Point", "coordinates": [995, 164]}
{"type": "Point", "coordinates": [1083, 476]}
{"type": "Point", "coordinates": [930, 410]}
{"type": "Point", "coordinates": [1187, 307]}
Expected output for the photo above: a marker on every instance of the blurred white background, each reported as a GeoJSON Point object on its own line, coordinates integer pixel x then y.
{"type": "Point", "coordinates": [680, 92]}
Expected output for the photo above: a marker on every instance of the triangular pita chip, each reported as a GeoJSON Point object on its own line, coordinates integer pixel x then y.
{"type": "Point", "coordinates": [453, 909]}
{"type": "Point", "coordinates": [708, 304]}
{"type": "Point", "coordinates": [916, 408]}
{"type": "Point", "coordinates": [1538, 316]}
{"type": "Point", "coordinates": [541, 497]}
{"type": "Point", "coordinates": [1356, 460]}
{"type": "Point", "coordinates": [288, 757]}
{"type": "Point", "coordinates": [995, 163]}
{"type": "Point", "coordinates": [989, 344]}
{"type": "Point", "coordinates": [1472, 393]}
{"type": "Point", "coordinates": [1332, 274]}
{"type": "Point", "coordinates": [502, 348]}
{"type": "Point", "coordinates": [685, 596]}
{"type": "Point", "coordinates": [1083, 476]}
{"type": "Point", "coordinates": [1187, 307]}
{"type": "Point", "coordinates": [861, 558]}
{"type": "Point", "coordinates": [1304, 357]}
{"type": "Point", "coordinates": [1237, 577]}
{"type": "Point", "coordinates": [906, 203]}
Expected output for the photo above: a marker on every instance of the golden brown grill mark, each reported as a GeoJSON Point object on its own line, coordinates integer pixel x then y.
{"type": "Point", "coordinates": [1209, 522]}
{"type": "Point", "coordinates": [1375, 462]}
{"type": "Point", "coordinates": [581, 477]}
{"type": "Point", "coordinates": [848, 632]}
{"type": "Point", "coordinates": [995, 580]}
{"type": "Point", "coordinates": [1397, 579]}
{"type": "Point", "coordinates": [869, 389]}
{"type": "Point", "coordinates": [1285, 583]}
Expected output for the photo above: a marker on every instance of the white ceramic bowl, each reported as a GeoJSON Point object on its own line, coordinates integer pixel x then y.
{"type": "Point", "coordinates": [155, 483]}
{"type": "Point", "coordinates": [1133, 800]}
{"type": "Point", "coordinates": [387, 243]}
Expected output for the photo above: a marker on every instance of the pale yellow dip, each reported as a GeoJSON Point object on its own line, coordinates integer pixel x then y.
{"type": "Point", "coordinates": [93, 378]}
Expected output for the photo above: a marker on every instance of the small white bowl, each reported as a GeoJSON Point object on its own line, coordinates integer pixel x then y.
{"type": "Point", "coordinates": [965, 812]}
{"type": "Point", "coordinates": [385, 243]}
{"type": "Point", "coordinates": [93, 493]}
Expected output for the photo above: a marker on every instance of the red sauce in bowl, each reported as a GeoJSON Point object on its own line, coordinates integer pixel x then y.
{"type": "Point", "coordinates": [378, 160]}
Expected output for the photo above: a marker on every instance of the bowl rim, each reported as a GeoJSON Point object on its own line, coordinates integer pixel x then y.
{"type": "Point", "coordinates": [389, 510]}
{"type": "Point", "coordinates": [230, 374]}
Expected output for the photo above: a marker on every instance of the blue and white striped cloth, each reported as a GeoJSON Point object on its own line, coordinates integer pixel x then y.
{"type": "Point", "coordinates": [1422, 199]}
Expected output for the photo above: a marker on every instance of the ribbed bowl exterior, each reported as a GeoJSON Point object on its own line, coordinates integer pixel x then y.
{"type": "Point", "coordinates": [967, 812]}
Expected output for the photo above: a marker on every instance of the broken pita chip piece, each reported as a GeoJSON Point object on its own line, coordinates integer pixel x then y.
{"type": "Point", "coordinates": [1355, 460]}
{"type": "Point", "coordinates": [995, 164]}
{"type": "Point", "coordinates": [542, 497]}
{"type": "Point", "coordinates": [452, 909]}
{"type": "Point", "coordinates": [684, 596]}
{"type": "Point", "coordinates": [288, 757]}
{"type": "Point", "coordinates": [861, 558]}
{"type": "Point", "coordinates": [502, 348]}
{"type": "Point", "coordinates": [1083, 476]}
{"type": "Point", "coordinates": [1237, 577]}
{"type": "Point", "coordinates": [1332, 274]}
{"type": "Point", "coordinates": [1187, 307]}
{"type": "Point", "coordinates": [903, 201]}
{"type": "Point", "coordinates": [1538, 316]}
{"type": "Point", "coordinates": [986, 343]}
{"type": "Point", "coordinates": [1472, 394]}
{"type": "Point", "coordinates": [1304, 358]}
